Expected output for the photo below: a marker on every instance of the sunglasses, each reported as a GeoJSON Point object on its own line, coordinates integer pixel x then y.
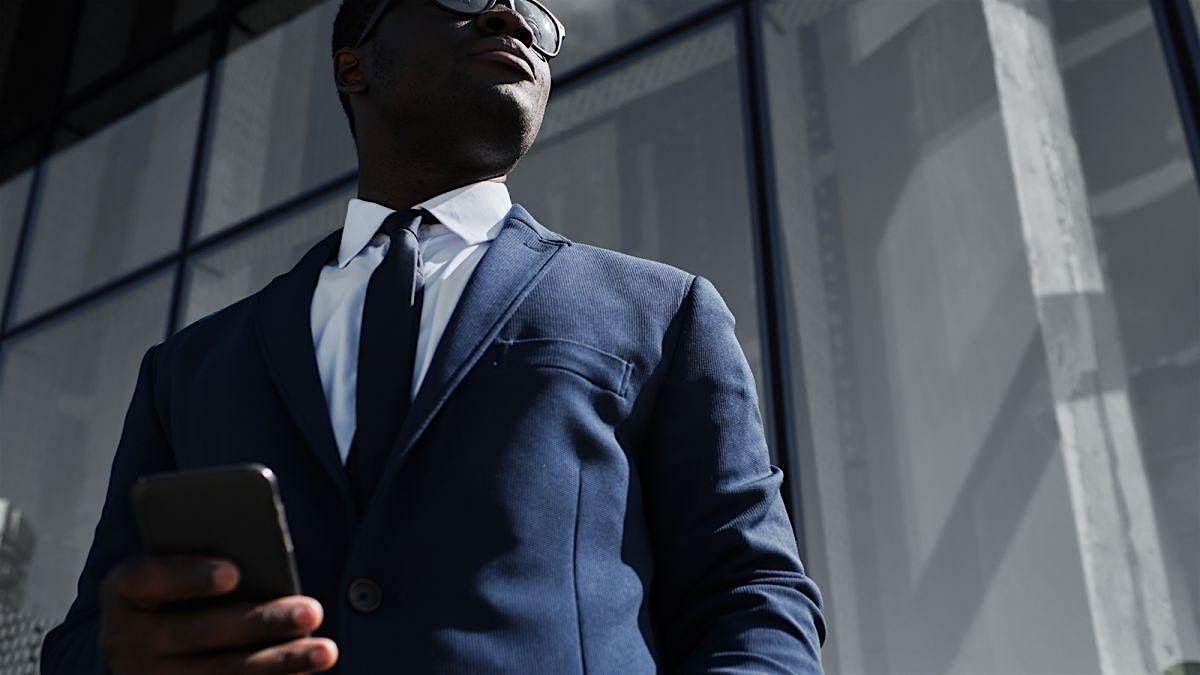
{"type": "Point", "coordinates": [548, 31]}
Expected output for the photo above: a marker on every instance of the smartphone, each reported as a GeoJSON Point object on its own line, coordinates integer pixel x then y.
{"type": "Point", "coordinates": [231, 512]}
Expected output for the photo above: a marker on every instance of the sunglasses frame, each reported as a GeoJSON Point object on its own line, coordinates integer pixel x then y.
{"type": "Point", "coordinates": [384, 4]}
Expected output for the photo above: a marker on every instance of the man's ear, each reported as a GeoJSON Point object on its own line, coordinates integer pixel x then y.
{"type": "Point", "coordinates": [348, 71]}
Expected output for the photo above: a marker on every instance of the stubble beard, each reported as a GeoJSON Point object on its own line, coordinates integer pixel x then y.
{"type": "Point", "coordinates": [486, 131]}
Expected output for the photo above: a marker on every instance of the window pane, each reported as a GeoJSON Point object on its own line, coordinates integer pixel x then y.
{"type": "Point", "coordinates": [19, 155]}
{"type": "Point", "coordinates": [186, 12]}
{"type": "Point", "coordinates": [236, 269]}
{"type": "Point", "coordinates": [64, 391]}
{"type": "Point", "coordinates": [113, 33]}
{"type": "Point", "coordinates": [13, 195]}
{"type": "Point", "coordinates": [111, 203]}
{"type": "Point", "coordinates": [1146, 210]}
{"type": "Point", "coordinates": [186, 62]}
{"type": "Point", "coordinates": [272, 142]}
{"type": "Point", "coordinates": [657, 168]}
{"type": "Point", "coordinates": [260, 16]}
{"type": "Point", "coordinates": [942, 499]}
{"type": "Point", "coordinates": [595, 27]}
{"type": "Point", "coordinates": [278, 128]}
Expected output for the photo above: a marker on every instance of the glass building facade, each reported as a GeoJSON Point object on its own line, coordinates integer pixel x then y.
{"type": "Point", "coordinates": [961, 239]}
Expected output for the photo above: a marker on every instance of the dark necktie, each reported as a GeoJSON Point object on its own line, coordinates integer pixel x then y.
{"type": "Point", "coordinates": [387, 345]}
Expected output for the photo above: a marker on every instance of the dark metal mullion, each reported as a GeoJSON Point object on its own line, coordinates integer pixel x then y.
{"type": "Point", "coordinates": [194, 249]}
{"type": "Point", "coordinates": [1181, 48]}
{"type": "Point", "coordinates": [785, 423]}
{"type": "Point", "coordinates": [220, 38]}
{"type": "Point", "coordinates": [111, 287]}
{"type": "Point", "coordinates": [45, 143]}
{"type": "Point", "coordinates": [313, 194]}
{"type": "Point", "coordinates": [14, 274]}
{"type": "Point", "coordinates": [244, 28]}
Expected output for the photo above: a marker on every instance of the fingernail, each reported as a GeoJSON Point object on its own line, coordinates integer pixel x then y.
{"type": "Point", "coordinates": [318, 654]}
{"type": "Point", "coordinates": [301, 614]}
{"type": "Point", "coordinates": [224, 575]}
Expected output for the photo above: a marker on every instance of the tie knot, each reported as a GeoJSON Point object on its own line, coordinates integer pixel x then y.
{"type": "Point", "coordinates": [408, 219]}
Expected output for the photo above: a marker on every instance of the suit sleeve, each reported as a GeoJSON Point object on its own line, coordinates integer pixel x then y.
{"type": "Point", "coordinates": [729, 593]}
{"type": "Point", "coordinates": [72, 646]}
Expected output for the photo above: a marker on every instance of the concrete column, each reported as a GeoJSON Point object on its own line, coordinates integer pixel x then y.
{"type": "Point", "coordinates": [1118, 538]}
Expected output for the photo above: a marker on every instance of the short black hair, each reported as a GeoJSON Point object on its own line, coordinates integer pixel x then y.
{"type": "Point", "coordinates": [352, 17]}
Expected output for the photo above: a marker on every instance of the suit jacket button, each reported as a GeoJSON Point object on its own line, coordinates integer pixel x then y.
{"type": "Point", "coordinates": [365, 595]}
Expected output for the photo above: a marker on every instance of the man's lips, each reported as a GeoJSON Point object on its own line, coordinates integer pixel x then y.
{"type": "Point", "coordinates": [508, 58]}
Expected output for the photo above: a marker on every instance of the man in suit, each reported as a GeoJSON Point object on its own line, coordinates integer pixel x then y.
{"type": "Point", "coordinates": [499, 450]}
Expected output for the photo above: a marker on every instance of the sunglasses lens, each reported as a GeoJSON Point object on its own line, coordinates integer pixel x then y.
{"type": "Point", "coordinates": [545, 31]}
{"type": "Point", "coordinates": [546, 36]}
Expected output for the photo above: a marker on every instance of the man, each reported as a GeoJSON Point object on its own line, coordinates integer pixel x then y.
{"type": "Point", "coordinates": [577, 478]}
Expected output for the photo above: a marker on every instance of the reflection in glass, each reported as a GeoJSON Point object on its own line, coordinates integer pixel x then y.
{"type": "Point", "coordinates": [64, 391]}
{"type": "Point", "coordinates": [937, 503]}
{"type": "Point", "coordinates": [595, 27]}
{"type": "Point", "coordinates": [649, 160]}
{"type": "Point", "coordinates": [111, 203]}
{"type": "Point", "coordinates": [236, 269]}
{"type": "Point", "coordinates": [13, 195]}
{"type": "Point", "coordinates": [277, 126]}
{"type": "Point", "coordinates": [1145, 207]}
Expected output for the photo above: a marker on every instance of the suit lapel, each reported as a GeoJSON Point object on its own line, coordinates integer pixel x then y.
{"type": "Point", "coordinates": [284, 326]}
{"type": "Point", "coordinates": [516, 259]}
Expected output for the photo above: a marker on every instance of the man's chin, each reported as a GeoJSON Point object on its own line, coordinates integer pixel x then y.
{"type": "Point", "coordinates": [494, 159]}
{"type": "Point", "coordinates": [508, 115]}
{"type": "Point", "coordinates": [520, 98]}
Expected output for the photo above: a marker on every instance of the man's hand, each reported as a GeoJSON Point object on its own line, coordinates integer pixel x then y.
{"type": "Point", "coordinates": [139, 635]}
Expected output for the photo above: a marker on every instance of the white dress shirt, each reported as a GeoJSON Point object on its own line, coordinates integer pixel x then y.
{"type": "Point", "coordinates": [469, 218]}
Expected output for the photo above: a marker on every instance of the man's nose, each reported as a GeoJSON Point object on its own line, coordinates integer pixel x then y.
{"type": "Point", "coordinates": [502, 19]}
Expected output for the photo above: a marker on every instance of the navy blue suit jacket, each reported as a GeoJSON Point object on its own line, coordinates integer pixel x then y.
{"type": "Point", "coordinates": [582, 484]}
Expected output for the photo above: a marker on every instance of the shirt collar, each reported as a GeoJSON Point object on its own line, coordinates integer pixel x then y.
{"type": "Point", "coordinates": [474, 212]}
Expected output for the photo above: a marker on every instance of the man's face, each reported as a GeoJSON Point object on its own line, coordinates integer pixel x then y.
{"type": "Point", "coordinates": [432, 72]}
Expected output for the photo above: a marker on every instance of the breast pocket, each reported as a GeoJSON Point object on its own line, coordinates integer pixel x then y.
{"type": "Point", "coordinates": [598, 367]}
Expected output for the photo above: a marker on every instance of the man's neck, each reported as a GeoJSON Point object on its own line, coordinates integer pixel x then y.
{"type": "Point", "coordinates": [399, 195]}
{"type": "Point", "coordinates": [402, 172]}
